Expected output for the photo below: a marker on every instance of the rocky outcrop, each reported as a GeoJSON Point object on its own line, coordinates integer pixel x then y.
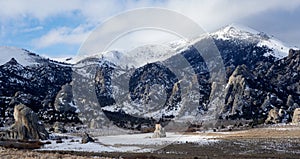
{"type": "Point", "coordinates": [292, 52]}
{"type": "Point", "coordinates": [296, 116]}
{"type": "Point", "coordinates": [273, 117]}
{"type": "Point", "coordinates": [240, 94]}
{"type": "Point", "coordinates": [64, 100]}
{"type": "Point", "coordinates": [159, 132]}
{"type": "Point", "coordinates": [27, 125]}
{"type": "Point", "coordinates": [268, 92]}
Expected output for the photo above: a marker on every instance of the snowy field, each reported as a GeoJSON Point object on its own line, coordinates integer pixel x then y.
{"type": "Point", "coordinates": [125, 143]}
{"type": "Point", "coordinates": [138, 143]}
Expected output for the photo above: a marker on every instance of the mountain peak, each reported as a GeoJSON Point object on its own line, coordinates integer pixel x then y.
{"type": "Point", "coordinates": [239, 27]}
{"type": "Point", "coordinates": [236, 32]}
{"type": "Point", "coordinates": [13, 61]}
{"type": "Point", "coordinates": [22, 56]}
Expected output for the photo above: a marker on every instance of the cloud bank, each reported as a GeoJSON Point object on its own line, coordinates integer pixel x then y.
{"type": "Point", "coordinates": [40, 16]}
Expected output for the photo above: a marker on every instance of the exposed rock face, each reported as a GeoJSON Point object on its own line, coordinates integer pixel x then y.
{"type": "Point", "coordinates": [256, 84]}
{"type": "Point", "coordinates": [159, 132]}
{"type": "Point", "coordinates": [64, 105]}
{"type": "Point", "coordinates": [267, 91]}
{"type": "Point", "coordinates": [293, 52]}
{"type": "Point", "coordinates": [64, 100]}
{"type": "Point", "coordinates": [27, 125]}
{"type": "Point", "coordinates": [240, 94]}
{"type": "Point", "coordinates": [296, 116]}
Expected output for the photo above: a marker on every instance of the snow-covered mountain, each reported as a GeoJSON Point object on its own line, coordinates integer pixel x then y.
{"type": "Point", "coordinates": [239, 32]}
{"type": "Point", "coordinates": [24, 57]}
{"type": "Point", "coordinates": [28, 78]}
{"type": "Point", "coordinates": [27, 58]}
{"type": "Point", "coordinates": [237, 45]}
{"type": "Point", "coordinates": [120, 87]}
{"type": "Point", "coordinates": [136, 57]}
{"type": "Point", "coordinates": [151, 53]}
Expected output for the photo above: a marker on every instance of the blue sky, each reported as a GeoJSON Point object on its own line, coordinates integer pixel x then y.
{"type": "Point", "coordinates": [57, 28]}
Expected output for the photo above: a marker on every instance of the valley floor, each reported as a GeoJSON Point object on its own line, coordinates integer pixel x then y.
{"type": "Point", "coordinates": [279, 141]}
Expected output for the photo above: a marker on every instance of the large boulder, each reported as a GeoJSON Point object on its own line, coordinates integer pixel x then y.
{"type": "Point", "coordinates": [27, 125]}
{"type": "Point", "coordinates": [296, 116]}
{"type": "Point", "coordinates": [86, 138]}
{"type": "Point", "coordinates": [273, 116]}
{"type": "Point", "coordinates": [159, 132]}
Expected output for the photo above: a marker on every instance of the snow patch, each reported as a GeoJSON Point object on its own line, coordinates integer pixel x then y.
{"type": "Point", "coordinates": [279, 50]}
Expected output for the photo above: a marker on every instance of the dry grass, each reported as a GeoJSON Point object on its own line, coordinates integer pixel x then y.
{"type": "Point", "coordinates": [6, 153]}
{"type": "Point", "coordinates": [278, 132]}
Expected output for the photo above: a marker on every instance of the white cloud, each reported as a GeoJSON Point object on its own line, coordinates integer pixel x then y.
{"type": "Point", "coordinates": [35, 8]}
{"type": "Point", "coordinates": [216, 11]}
{"type": "Point", "coordinates": [27, 30]}
{"type": "Point", "coordinates": [92, 10]}
{"type": "Point", "coordinates": [62, 35]}
{"type": "Point", "coordinates": [210, 14]}
{"type": "Point", "coordinates": [143, 37]}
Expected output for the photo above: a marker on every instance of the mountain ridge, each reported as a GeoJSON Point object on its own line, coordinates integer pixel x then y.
{"type": "Point", "coordinates": [232, 31]}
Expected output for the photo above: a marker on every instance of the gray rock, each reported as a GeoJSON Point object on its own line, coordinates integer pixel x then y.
{"type": "Point", "coordinates": [273, 116]}
{"type": "Point", "coordinates": [296, 116]}
{"type": "Point", "coordinates": [293, 52]}
{"type": "Point", "coordinates": [64, 100]}
{"type": "Point", "coordinates": [86, 138]}
{"type": "Point", "coordinates": [27, 125]}
{"type": "Point", "coordinates": [159, 132]}
{"type": "Point", "coordinates": [238, 94]}
{"type": "Point", "coordinates": [290, 101]}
